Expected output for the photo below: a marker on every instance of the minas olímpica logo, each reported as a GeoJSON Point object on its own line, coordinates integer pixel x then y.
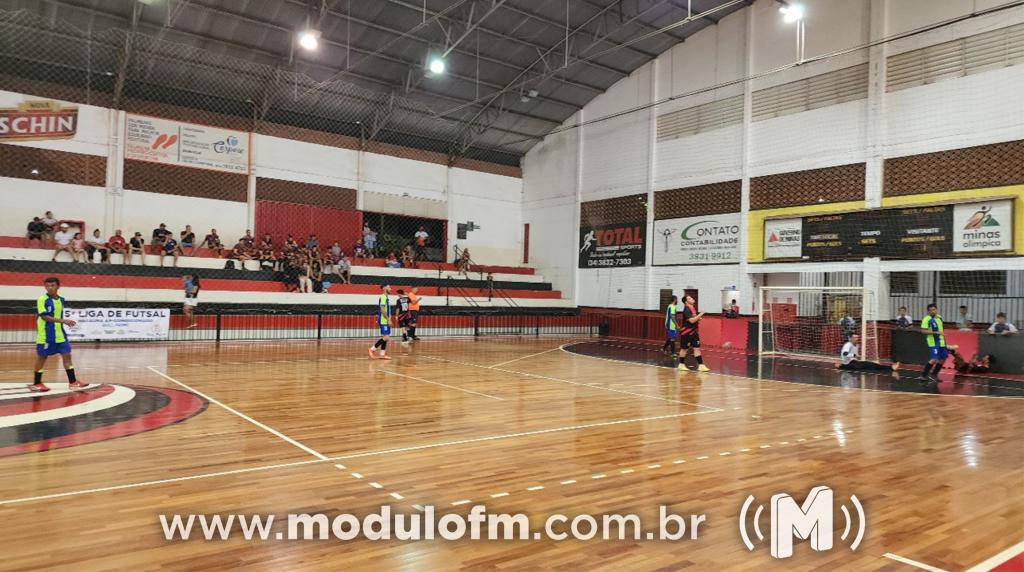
{"type": "Point", "coordinates": [812, 520]}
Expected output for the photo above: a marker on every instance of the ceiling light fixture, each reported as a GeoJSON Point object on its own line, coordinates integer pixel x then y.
{"type": "Point", "coordinates": [309, 39]}
{"type": "Point", "coordinates": [436, 65]}
{"type": "Point", "coordinates": [792, 12]}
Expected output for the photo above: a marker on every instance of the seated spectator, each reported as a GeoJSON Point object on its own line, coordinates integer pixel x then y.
{"type": "Point", "coordinates": [248, 240]}
{"type": "Point", "coordinates": [312, 243]}
{"type": "Point", "coordinates": [392, 261]}
{"type": "Point", "coordinates": [51, 227]}
{"type": "Point", "coordinates": [904, 320]}
{"type": "Point", "coordinates": [290, 245]}
{"type": "Point", "coordinates": [96, 243]}
{"type": "Point", "coordinates": [335, 251]}
{"type": "Point", "coordinates": [267, 242]}
{"type": "Point", "coordinates": [732, 310]}
{"type": "Point", "coordinates": [849, 354]}
{"type": "Point", "coordinates": [78, 248]}
{"type": "Point", "coordinates": [305, 275]}
{"type": "Point", "coordinates": [212, 241]}
{"type": "Point", "coordinates": [290, 271]}
{"type": "Point", "coordinates": [978, 364]}
{"type": "Point", "coordinates": [343, 268]}
{"type": "Point", "coordinates": [187, 245]}
{"type": "Point", "coordinates": [964, 321]}
{"type": "Point", "coordinates": [421, 237]}
{"type": "Point", "coordinates": [316, 272]}
{"type": "Point", "coordinates": [36, 231]}
{"type": "Point", "coordinates": [117, 245]}
{"type": "Point", "coordinates": [170, 247]}
{"type": "Point", "coordinates": [241, 253]}
{"type": "Point", "coordinates": [359, 250]}
{"type": "Point", "coordinates": [160, 235]}
{"type": "Point", "coordinates": [266, 257]}
{"type": "Point", "coordinates": [1001, 327]}
{"type": "Point", "coordinates": [408, 258]}
{"type": "Point", "coordinates": [62, 239]}
{"type": "Point", "coordinates": [136, 245]}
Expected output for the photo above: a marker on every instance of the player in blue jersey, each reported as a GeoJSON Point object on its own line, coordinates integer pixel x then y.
{"type": "Point", "coordinates": [932, 326]}
{"type": "Point", "coordinates": [384, 323]}
{"type": "Point", "coordinates": [671, 329]}
{"type": "Point", "coordinates": [51, 338]}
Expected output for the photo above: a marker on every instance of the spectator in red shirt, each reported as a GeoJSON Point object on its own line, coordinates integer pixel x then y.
{"type": "Point", "coordinates": [117, 245]}
{"type": "Point", "coordinates": [212, 241]}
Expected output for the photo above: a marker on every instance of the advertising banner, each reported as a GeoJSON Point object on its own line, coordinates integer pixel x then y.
{"type": "Point", "coordinates": [176, 143]}
{"type": "Point", "coordinates": [712, 239]}
{"type": "Point", "coordinates": [983, 227]}
{"type": "Point", "coordinates": [118, 323]}
{"type": "Point", "coordinates": [613, 246]}
{"type": "Point", "coordinates": [36, 120]}
{"type": "Point", "coordinates": [783, 238]}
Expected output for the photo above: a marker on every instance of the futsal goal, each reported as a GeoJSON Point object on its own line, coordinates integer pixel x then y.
{"type": "Point", "coordinates": [813, 321]}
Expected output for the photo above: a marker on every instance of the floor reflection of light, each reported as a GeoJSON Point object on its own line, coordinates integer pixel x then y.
{"type": "Point", "coordinates": [967, 445]}
{"type": "Point", "coordinates": [837, 428]}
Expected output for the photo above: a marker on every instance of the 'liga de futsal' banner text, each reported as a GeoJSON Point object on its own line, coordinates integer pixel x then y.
{"type": "Point", "coordinates": [118, 323]}
{"type": "Point", "coordinates": [175, 143]}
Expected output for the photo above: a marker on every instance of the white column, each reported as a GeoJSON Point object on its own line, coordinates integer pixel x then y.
{"type": "Point", "coordinates": [748, 284]}
{"type": "Point", "coordinates": [112, 213]}
{"type": "Point", "coordinates": [453, 232]}
{"type": "Point", "coordinates": [877, 283]}
{"type": "Point", "coordinates": [875, 118]}
{"type": "Point", "coordinates": [250, 211]}
{"type": "Point", "coordinates": [574, 259]}
{"type": "Point", "coordinates": [651, 299]}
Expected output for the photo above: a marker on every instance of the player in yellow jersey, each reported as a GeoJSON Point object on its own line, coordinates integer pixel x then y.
{"type": "Point", "coordinates": [384, 322]}
{"type": "Point", "coordinates": [51, 338]}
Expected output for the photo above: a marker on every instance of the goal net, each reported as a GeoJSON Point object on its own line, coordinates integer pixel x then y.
{"type": "Point", "coordinates": [815, 321]}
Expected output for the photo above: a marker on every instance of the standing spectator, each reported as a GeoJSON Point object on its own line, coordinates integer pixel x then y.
{"type": "Point", "coordinates": [369, 241]}
{"type": "Point", "coordinates": [462, 264]}
{"type": "Point", "coordinates": [964, 320]}
{"type": "Point", "coordinates": [188, 241]}
{"type": "Point", "coordinates": [848, 325]}
{"type": "Point", "coordinates": [36, 231]}
{"type": "Point", "coordinates": [171, 247]}
{"type": "Point", "coordinates": [312, 243]}
{"type": "Point", "coordinates": [421, 237]}
{"type": "Point", "coordinates": [317, 271]}
{"type": "Point", "coordinates": [191, 283]}
{"type": "Point", "coordinates": [117, 245]}
{"type": "Point", "coordinates": [1001, 327]}
{"type": "Point", "coordinates": [78, 248]}
{"type": "Point", "coordinates": [334, 254]}
{"type": "Point", "coordinates": [305, 274]}
{"type": "Point", "coordinates": [904, 320]}
{"type": "Point", "coordinates": [344, 269]}
{"type": "Point", "coordinates": [408, 258]}
{"type": "Point", "coordinates": [96, 243]}
{"type": "Point", "coordinates": [212, 241]}
{"type": "Point", "coordinates": [62, 240]}
{"type": "Point", "coordinates": [490, 286]}
{"type": "Point", "coordinates": [136, 245]}
{"type": "Point", "coordinates": [160, 236]}
{"type": "Point", "coordinates": [51, 226]}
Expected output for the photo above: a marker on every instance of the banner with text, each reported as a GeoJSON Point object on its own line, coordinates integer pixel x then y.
{"type": "Point", "coordinates": [613, 246]}
{"type": "Point", "coordinates": [118, 323]}
{"type": "Point", "coordinates": [187, 144]}
{"type": "Point", "coordinates": [782, 238]}
{"type": "Point", "coordinates": [712, 239]}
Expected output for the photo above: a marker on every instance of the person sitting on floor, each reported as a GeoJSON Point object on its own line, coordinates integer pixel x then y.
{"type": "Point", "coordinates": [980, 363]}
{"type": "Point", "coordinates": [850, 352]}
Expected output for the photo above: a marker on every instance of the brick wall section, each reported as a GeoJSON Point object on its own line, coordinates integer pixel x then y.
{"type": "Point", "coordinates": [628, 209]}
{"type": "Point", "coordinates": [17, 162]}
{"type": "Point", "coordinates": [714, 198]}
{"type": "Point", "coordinates": [305, 193]}
{"type": "Point", "coordinates": [996, 165]}
{"type": "Point", "coordinates": [814, 186]}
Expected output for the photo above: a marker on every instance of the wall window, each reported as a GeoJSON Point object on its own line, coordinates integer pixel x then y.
{"type": "Point", "coordinates": [973, 282]}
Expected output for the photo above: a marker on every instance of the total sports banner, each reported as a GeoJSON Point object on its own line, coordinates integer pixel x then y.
{"type": "Point", "coordinates": [175, 143]}
{"type": "Point", "coordinates": [613, 246]}
{"type": "Point", "coordinates": [118, 323]}
{"type": "Point", "coordinates": [913, 232]}
{"type": "Point", "coordinates": [713, 239]}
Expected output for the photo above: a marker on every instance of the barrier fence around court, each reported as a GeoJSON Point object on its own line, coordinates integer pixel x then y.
{"type": "Point", "coordinates": [318, 325]}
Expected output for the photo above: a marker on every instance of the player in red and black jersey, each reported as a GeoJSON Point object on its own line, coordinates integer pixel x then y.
{"type": "Point", "coordinates": [403, 309]}
{"type": "Point", "coordinates": [689, 337]}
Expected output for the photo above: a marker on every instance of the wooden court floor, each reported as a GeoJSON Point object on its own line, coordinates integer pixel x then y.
{"type": "Point", "coordinates": [515, 424]}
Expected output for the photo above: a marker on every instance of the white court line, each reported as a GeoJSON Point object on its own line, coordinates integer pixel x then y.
{"type": "Point", "coordinates": [913, 563]}
{"type": "Point", "coordinates": [441, 384]}
{"type": "Point", "coordinates": [590, 385]}
{"type": "Point", "coordinates": [271, 430]}
{"type": "Point", "coordinates": [998, 558]}
{"type": "Point", "coordinates": [119, 396]}
{"type": "Point", "coordinates": [529, 356]}
{"type": "Point", "coordinates": [514, 435]}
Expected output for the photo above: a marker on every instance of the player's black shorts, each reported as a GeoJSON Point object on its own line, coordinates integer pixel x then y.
{"type": "Point", "coordinates": [404, 322]}
{"type": "Point", "coordinates": [687, 341]}
{"type": "Point", "coordinates": [415, 314]}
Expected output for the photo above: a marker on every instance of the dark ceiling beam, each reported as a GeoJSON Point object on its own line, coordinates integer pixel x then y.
{"type": "Point", "coordinates": [261, 51]}
{"type": "Point", "coordinates": [256, 49]}
{"type": "Point", "coordinates": [524, 42]}
{"type": "Point", "coordinates": [467, 53]}
{"type": "Point", "coordinates": [640, 23]}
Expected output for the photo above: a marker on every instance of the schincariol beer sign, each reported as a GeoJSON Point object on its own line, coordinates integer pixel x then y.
{"type": "Point", "coordinates": [34, 120]}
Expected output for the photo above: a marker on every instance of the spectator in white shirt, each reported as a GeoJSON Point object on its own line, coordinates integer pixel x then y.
{"type": "Point", "coordinates": [51, 226]}
{"type": "Point", "coordinates": [344, 269]}
{"type": "Point", "coordinates": [904, 320]}
{"type": "Point", "coordinates": [1001, 327]}
{"type": "Point", "coordinates": [964, 321]}
{"type": "Point", "coordinates": [96, 243]}
{"type": "Point", "coordinates": [62, 239]}
{"type": "Point", "coordinates": [850, 352]}
{"type": "Point", "coordinates": [421, 237]}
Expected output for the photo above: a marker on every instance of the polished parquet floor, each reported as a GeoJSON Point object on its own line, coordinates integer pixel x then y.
{"type": "Point", "coordinates": [517, 424]}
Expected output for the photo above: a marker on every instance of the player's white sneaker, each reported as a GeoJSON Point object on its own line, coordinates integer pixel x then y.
{"type": "Point", "coordinates": [702, 367]}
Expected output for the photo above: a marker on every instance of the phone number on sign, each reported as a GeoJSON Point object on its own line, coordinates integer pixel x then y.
{"type": "Point", "coordinates": [611, 262]}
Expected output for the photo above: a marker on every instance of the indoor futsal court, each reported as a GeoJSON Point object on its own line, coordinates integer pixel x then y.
{"type": "Point", "coordinates": [512, 285]}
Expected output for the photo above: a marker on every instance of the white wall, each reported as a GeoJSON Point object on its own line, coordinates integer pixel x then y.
{"type": "Point", "coordinates": [616, 157]}
{"type": "Point", "coordinates": [290, 160]}
{"type": "Point", "coordinates": [493, 203]}
{"type": "Point", "coordinates": [143, 212]}
{"type": "Point", "coordinates": [23, 199]}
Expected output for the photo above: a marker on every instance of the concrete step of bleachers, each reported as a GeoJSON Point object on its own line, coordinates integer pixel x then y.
{"type": "Point", "coordinates": [426, 270]}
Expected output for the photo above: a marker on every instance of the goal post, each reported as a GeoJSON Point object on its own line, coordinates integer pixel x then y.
{"type": "Point", "coordinates": [815, 321]}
